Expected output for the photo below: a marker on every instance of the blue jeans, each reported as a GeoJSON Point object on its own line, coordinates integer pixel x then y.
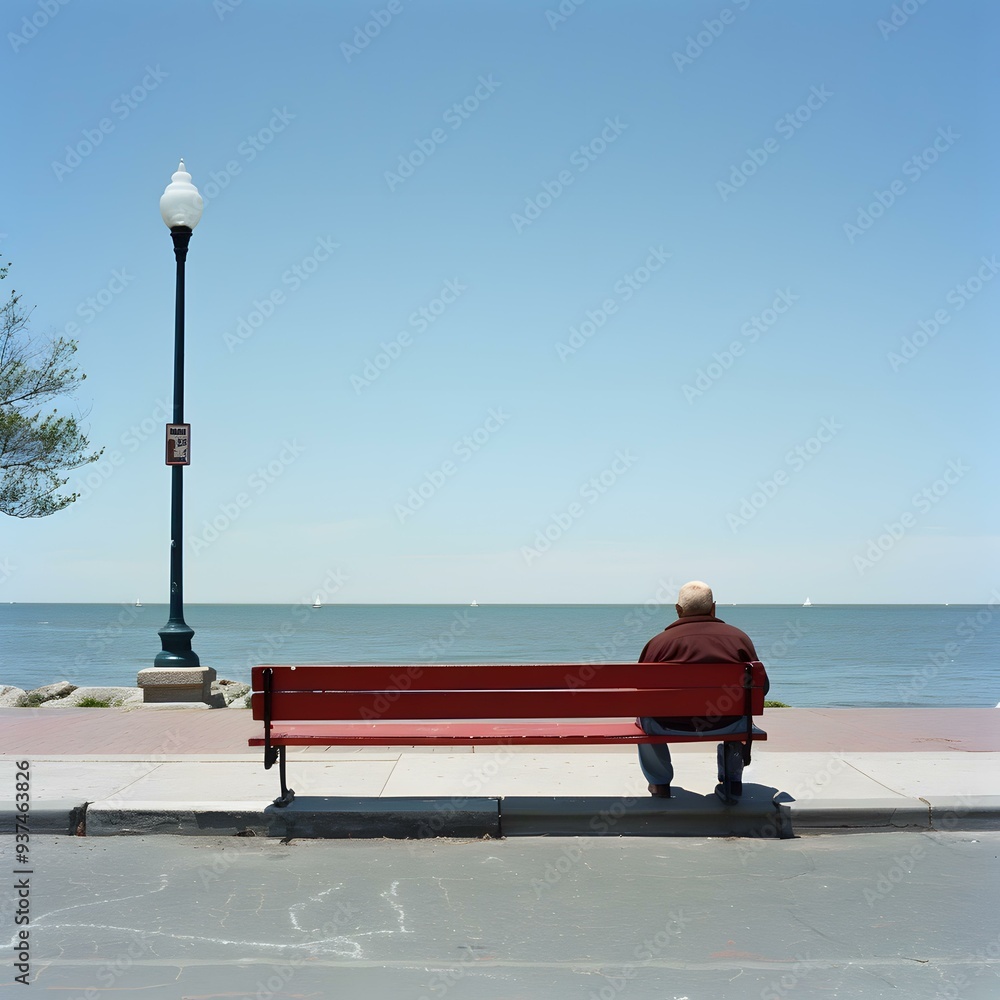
{"type": "Point", "coordinates": [654, 758]}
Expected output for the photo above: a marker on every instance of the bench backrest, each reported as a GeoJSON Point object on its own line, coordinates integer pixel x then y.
{"type": "Point", "coordinates": [372, 692]}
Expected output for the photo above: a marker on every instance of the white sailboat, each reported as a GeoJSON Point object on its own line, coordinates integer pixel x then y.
{"type": "Point", "coordinates": [807, 603]}
{"type": "Point", "coordinates": [474, 604]}
{"type": "Point", "coordinates": [317, 603]}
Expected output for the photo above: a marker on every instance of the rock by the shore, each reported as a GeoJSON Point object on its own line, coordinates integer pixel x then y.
{"type": "Point", "coordinates": [231, 691]}
{"type": "Point", "coordinates": [10, 697]}
{"type": "Point", "coordinates": [62, 694]}
{"type": "Point", "coordinates": [115, 697]}
{"type": "Point", "coordinates": [49, 692]}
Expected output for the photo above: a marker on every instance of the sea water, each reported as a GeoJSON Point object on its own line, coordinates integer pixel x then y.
{"type": "Point", "coordinates": [836, 655]}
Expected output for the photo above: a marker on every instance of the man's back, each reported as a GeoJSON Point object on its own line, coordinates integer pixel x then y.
{"type": "Point", "coordinates": [698, 639]}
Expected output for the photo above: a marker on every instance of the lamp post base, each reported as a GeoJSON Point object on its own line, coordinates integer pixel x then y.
{"type": "Point", "coordinates": [176, 684]}
{"type": "Point", "coordinates": [175, 638]}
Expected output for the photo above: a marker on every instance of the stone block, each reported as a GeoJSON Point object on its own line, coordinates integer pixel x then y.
{"type": "Point", "coordinates": [176, 684]}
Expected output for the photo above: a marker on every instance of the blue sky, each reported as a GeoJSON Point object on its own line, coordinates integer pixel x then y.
{"type": "Point", "coordinates": [517, 302]}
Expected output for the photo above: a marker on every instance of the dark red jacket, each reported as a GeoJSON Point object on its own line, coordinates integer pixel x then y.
{"type": "Point", "coordinates": [699, 639]}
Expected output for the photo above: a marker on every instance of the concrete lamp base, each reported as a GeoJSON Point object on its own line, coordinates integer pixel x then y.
{"type": "Point", "coordinates": [176, 684]}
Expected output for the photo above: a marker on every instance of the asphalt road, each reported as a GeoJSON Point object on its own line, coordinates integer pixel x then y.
{"type": "Point", "coordinates": [909, 915]}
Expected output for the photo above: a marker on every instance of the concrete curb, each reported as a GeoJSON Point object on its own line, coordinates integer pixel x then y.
{"type": "Point", "coordinates": [900, 813]}
{"type": "Point", "coordinates": [955, 812]}
{"type": "Point", "coordinates": [414, 818]}
{"type": "Point", "coordinates": [306, 817]}
{"type": "Point", "coordinates": [593, 816]}
{"type": "Point", "coordinates": [59, 816]}
{"type": "Point", "coordinates": [311, 817]}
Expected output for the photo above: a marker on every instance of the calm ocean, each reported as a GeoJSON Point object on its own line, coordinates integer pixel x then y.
{"type": "Point", "coordinates": [842, 655]}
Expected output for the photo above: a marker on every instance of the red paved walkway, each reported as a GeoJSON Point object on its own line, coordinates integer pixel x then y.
{"type": "Point", "coordinates": [97, 731]}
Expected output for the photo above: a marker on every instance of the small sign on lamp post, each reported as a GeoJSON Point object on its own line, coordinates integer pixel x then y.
{"type": "Point", "coordinates": [178, 444]}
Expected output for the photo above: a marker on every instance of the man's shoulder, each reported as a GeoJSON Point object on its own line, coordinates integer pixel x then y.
{"type": "Point", "coordinates": [702, 623]}
{"type": "Point", "coordinates": [699, 638]}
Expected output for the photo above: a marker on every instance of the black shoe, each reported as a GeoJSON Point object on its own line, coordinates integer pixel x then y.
{"type": "Point", "coordinates": [659, 791]}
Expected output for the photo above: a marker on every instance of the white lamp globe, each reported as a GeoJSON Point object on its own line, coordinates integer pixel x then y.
{"type": "Point", "coordinates": [180, 203]}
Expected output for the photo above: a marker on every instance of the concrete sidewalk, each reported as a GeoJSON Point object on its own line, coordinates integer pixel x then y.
{"type": "Point", "coordinates": [101, 772]}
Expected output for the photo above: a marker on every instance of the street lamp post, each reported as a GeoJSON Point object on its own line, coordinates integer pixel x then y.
{"type": "Point", "coordinates": [178, 674]}
{"type": "Point", "coordinates": [181, 207]}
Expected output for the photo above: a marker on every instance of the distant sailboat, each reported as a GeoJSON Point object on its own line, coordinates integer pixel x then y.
{"type": "Point", "coordinates": [317, 603]}
{"type": "Point", "coordinates": [138, 603]}
{"type": "Point", "coordinates": [474, 604]}
{"type": "Point", "coordinates": [807, 603]}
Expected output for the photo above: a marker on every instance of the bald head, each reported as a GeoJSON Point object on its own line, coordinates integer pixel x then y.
{"type": "Point", "coordinates": [695, 598]}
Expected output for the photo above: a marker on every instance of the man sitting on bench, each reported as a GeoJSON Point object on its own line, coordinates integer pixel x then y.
{"type": "Point", "coordinates": [696, 637]}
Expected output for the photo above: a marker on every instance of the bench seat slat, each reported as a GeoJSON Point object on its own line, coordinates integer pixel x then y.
{"type": "Point", "coordinates": [464, 733]}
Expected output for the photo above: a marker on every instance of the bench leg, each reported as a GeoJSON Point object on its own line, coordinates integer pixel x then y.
{"type": "Point", "coordinates": [287, 794]}
{"type": "Point", "coordinates": [727, 793]}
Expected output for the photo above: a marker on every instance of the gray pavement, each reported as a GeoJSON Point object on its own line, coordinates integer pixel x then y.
{"type": "Point", "coordinates": [929, 770]}
{"type": "Point", "coordinates": [867, 916]}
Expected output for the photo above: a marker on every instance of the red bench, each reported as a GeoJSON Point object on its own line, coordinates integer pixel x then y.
{"type": "Point", "coordinates": [472, 704]}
